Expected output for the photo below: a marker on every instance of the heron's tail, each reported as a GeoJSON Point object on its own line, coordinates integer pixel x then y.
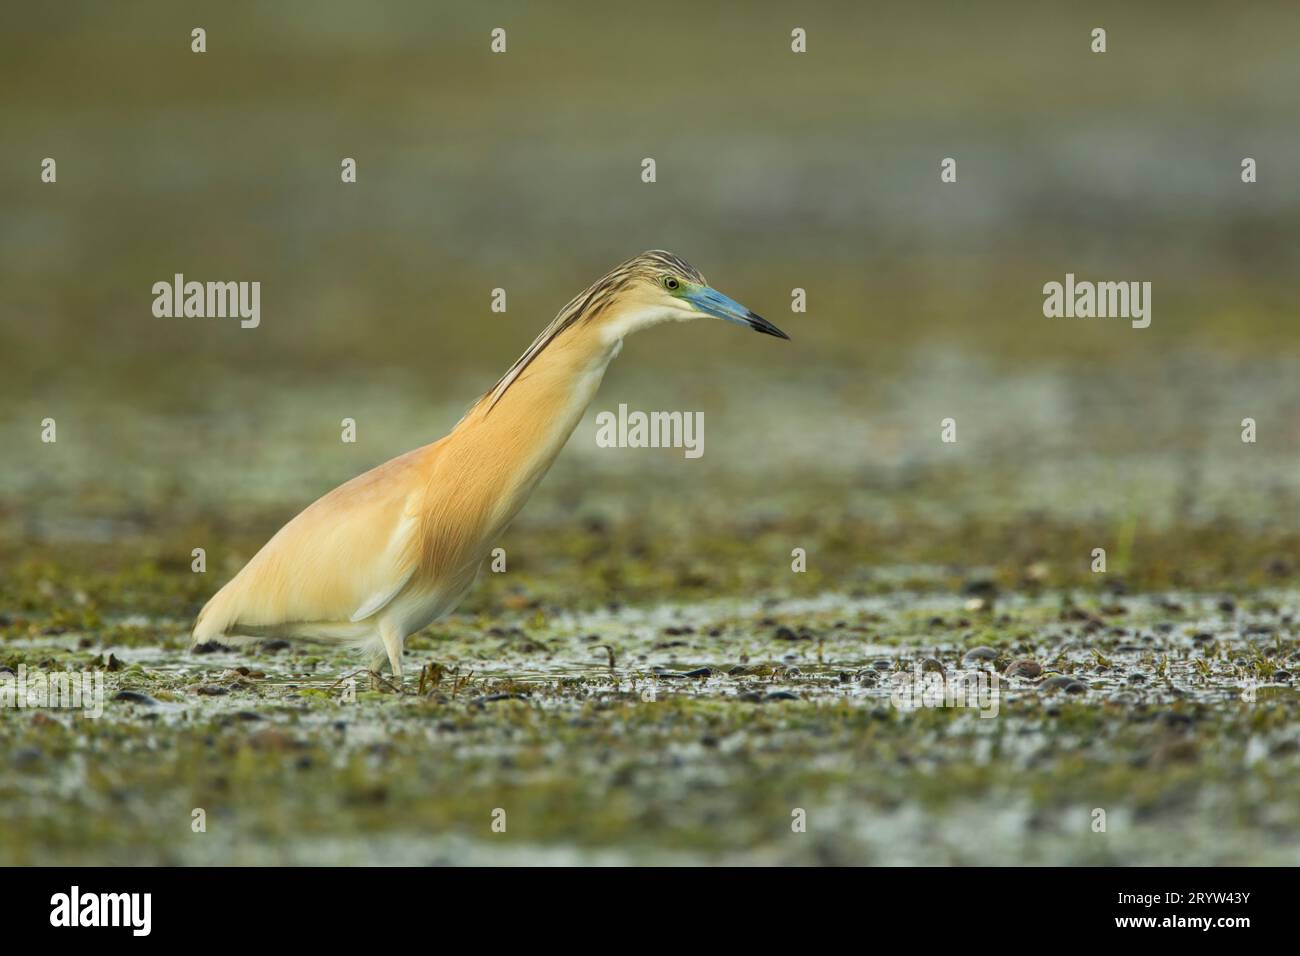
{"type": "Point", "coordinates": [214, 619]}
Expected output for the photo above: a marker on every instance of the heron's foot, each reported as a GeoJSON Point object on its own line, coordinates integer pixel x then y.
{"type": "Point", "coordinates": [379, 682]}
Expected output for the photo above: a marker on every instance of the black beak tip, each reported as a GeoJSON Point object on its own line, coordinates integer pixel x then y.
{"type": "Point", "coordinates": [760, 324]}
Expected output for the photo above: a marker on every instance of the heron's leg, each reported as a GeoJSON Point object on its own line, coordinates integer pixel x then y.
{"type": "Point", "coordinates": [393, 640]}
{"type": "Point", "coordinates": [375, 664]}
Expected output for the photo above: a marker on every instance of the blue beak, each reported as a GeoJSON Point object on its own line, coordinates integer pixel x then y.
{"type": "Point", "coordinates": [712, 302]}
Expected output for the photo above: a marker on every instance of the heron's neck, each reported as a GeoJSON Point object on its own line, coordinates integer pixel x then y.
{"type": "Point", "coordinates": [520, 436]}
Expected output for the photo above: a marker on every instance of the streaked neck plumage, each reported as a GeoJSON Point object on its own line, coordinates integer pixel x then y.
{"type": "Point", "coordinates": [514, 435]}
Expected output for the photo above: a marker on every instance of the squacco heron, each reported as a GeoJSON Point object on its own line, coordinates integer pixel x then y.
{"type": "Point", "coordinates": [391, 551]}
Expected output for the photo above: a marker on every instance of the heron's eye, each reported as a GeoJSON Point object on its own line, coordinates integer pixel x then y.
{"type": "Point", "coordinates": [671, 284]}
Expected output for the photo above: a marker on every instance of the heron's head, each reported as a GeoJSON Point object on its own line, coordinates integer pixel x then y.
{"type": "Point", "coordinates": [657, 287]}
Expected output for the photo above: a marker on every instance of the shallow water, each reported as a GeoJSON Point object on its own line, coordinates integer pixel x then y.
{"type": "Point", "coordinates": [1182, 728]}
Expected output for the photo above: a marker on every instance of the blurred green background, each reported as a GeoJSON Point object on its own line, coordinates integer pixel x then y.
{"type": "Point", "coordinates": [775, 171]}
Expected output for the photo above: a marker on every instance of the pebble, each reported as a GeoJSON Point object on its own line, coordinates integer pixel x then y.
{"type": "Point", "coordinates": [134, 697]}
{"type": "Point", "coordinates": [883, 665]}
{"type": "Point", "coordinates": [212, 690]}
{"type": "Point", "coordinates": [932, 665]}
{"type": "Point", "coordinates": [1024, 667]}
{"type": "Point", "coordinates": [1063, 682]}
{"type": "Point", "coordinates": [211, 647]}
{"type": "Point", "coordinates": [781, 695]}
{"type": "Point", "coordinates": [699, 672]}
{"type": "Point", "coordinates": [977, 654]}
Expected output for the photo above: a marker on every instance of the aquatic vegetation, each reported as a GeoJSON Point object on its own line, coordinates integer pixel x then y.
{"type": "Point", "coordinates": [685, 732]}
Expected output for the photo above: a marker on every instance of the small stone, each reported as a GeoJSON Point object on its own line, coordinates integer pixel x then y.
{"type": "Point", "coordinates": [932, 665]}
{"type": "Point", "coordinates": [211, 647]}
{"type": "Point", "coordinates": [699, 672]}
{"type": "Point", "coordinates": [883, 665]}
{"type": "Point", "coordinates": [1061, 682]}
{"type": "Point", "coordinates": [785, 634]}
{"type": "Point", "coordinates": [977, 654]}
{"type": "Point", "coordinates": [781, 695]}
{"type": "Point", "coordinates": [1024, 667]}
{"type": "Point", "coordinates": [134, 697]}
{"type": "Point", "coordinates": [212, 690]}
